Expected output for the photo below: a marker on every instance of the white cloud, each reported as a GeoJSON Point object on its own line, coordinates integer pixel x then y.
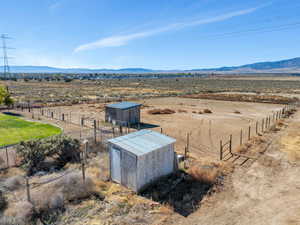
{"type": "Point", "coordinates": [120, 40]}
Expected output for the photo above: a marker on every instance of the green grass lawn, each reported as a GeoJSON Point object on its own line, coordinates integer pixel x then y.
{"type": "Point", "coordinates": [14, 129]}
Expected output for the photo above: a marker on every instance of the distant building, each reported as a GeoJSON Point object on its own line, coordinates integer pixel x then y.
{"type": "Point", "coordinates": [123, 113]}
{"type": "Point", "coordinates": [140, 158]}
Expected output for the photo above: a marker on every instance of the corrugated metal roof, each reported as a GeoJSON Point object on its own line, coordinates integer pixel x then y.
{"type": "Point", "coordinates": [142, 142]}
{"type": "Point", "coordinates": [123, 105]}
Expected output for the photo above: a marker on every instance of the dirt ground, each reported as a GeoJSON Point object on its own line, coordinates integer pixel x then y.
{"type": "Point", "coordinates": [265, 193]}
{"type": "Point", "coordinates": [206, 129]}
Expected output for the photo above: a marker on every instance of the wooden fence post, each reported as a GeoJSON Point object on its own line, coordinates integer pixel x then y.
{"type": "Point", "coordinates": [262, 125]}
{"type": "Point", "coordinates": [83, 172]}
{"type": "Point", "coordinates": [161, 130]}
{"type": "Point", "coordinates": [221, 150]}
{"type": "Point", "coordinates": [256, 127]}
{"type": "Point", "coordinates": [7, 159]}
{"type": "Point", "coordinates": [241, 137]}
{"type": "Point", "coordinates": [28, 190]}
{"type": "Point", "coordinates": [63, 117]}
{"type": "Point", "coordinates": [249, 133]}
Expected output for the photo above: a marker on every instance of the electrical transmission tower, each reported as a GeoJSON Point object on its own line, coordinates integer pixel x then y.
{"type": "Point", "coordinates": [6, 71]}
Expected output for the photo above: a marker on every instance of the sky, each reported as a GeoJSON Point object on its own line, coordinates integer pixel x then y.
{"type": "Point", "coordinates": [156, 34]}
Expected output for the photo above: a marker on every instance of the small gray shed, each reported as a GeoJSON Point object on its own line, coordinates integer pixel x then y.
{"type": "Point", "coordinates": [140, 158]}
{"type": "Point", "coordinates": [123, 113]}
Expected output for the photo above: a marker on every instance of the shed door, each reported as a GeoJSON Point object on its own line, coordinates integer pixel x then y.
{"type": "Point", "coordinates": [116, 165]}
{"type": "Point", "coordinates": [129, 170]}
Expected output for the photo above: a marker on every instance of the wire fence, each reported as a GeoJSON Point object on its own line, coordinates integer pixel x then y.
{"type": "Point", "coordinates": [75, 125]}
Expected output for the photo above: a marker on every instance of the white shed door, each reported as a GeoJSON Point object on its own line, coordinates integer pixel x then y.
{"type": "Point", "coordinates": [116, 165]}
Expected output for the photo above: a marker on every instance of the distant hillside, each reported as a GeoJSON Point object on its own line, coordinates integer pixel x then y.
{"type": "Point", "coordinates": [283, 66]}
{"type": "Point", "coordinates": [289, 65]}
{"type": "Point", "coordinates": [47, 69]}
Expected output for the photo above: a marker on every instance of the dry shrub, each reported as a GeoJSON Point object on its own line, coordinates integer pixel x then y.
{"type": "Point", "coordinates": [268, 161]}
{"type": "Point", "coordinates": [182, 111]}
{"type": "Point", "coordinates": [244, 98]}
{"type": "Point", "coordinates": [73, 188]}
{"type": "Point", "coordinates": [20, 213]}
{"type": "Point", "coordinates": [161, 111]}
{"type": "Point", "coordinates": [237, 112]}
{"type": "Point", "coordinates": [194, 112]}
{"type": "Point", "coordinates": [280, 123]}
{"type": "Point", "coordinates": [207, 111]}
{"type": "Point", "coordinates": [274, 128]}
{"type": "Point", "coordinates": [200, 112]}
{"type": "Point", "coordinates": [244, 148]}
{"type": "Point", "coordinates": [204, 173]}
{"type": "Point", "coordinates": [53, 201]}
{"type": "Point", "coordinates": [258, 140]}
{"type": "Point", "coordinates": [13, 183]}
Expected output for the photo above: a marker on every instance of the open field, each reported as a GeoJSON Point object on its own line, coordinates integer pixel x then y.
{"type": "Point", "coordinates": [59, 92]}
{"type": "Point", "coordinates": [14, 129]}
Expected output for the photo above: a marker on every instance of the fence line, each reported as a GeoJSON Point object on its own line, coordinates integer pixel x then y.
{"type": "Point", "coordinates": [267, 124]}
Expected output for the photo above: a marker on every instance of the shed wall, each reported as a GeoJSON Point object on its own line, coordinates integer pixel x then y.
{"type": "Point", "coordinates": [154, 165]}
{"type": "Point", "coordinates": [122, 116]}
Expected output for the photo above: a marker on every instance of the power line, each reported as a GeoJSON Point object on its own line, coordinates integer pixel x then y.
{"type": "Point", "coordinates": [6, 69]}
{"type": "Point", "coordinates": [256, 30]}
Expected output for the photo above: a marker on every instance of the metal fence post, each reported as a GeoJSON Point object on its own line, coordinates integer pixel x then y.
{"type": "Point", "coordinates": [95, 131]}
{"type": "Point", "coordinates": [230, 144]}
{"type": "Point", "coordinates": [221, 150]}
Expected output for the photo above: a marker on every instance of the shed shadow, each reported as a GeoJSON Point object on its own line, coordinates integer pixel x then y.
{"type": "Point", "coordinates": [180, 191]}
{"type": "Point", "coordinates": [144, 126]}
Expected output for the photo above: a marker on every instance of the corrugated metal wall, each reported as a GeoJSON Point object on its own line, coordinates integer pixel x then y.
{"type": "Point", "coordinates": [122, 116]}
{"type": "Point", "coordinates": [153, 165]}
{"type": "Point", "coordinates": [138, 172]}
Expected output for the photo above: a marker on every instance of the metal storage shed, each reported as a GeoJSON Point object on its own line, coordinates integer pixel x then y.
{"type": "Point", "coordinates": [140, 158]}
{"type": "Point", "coordinates": [123, 113]}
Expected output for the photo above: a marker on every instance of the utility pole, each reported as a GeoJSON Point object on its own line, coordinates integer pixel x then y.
{"type": "Point", "coordinates": [6, 71]}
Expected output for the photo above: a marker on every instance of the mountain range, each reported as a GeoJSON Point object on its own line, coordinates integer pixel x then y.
{"type": "Point", "coordinates": [283, 66]}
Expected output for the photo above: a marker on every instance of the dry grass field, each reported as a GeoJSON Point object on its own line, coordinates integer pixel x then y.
{"type": "Point", "coordinates": [59, 92]}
